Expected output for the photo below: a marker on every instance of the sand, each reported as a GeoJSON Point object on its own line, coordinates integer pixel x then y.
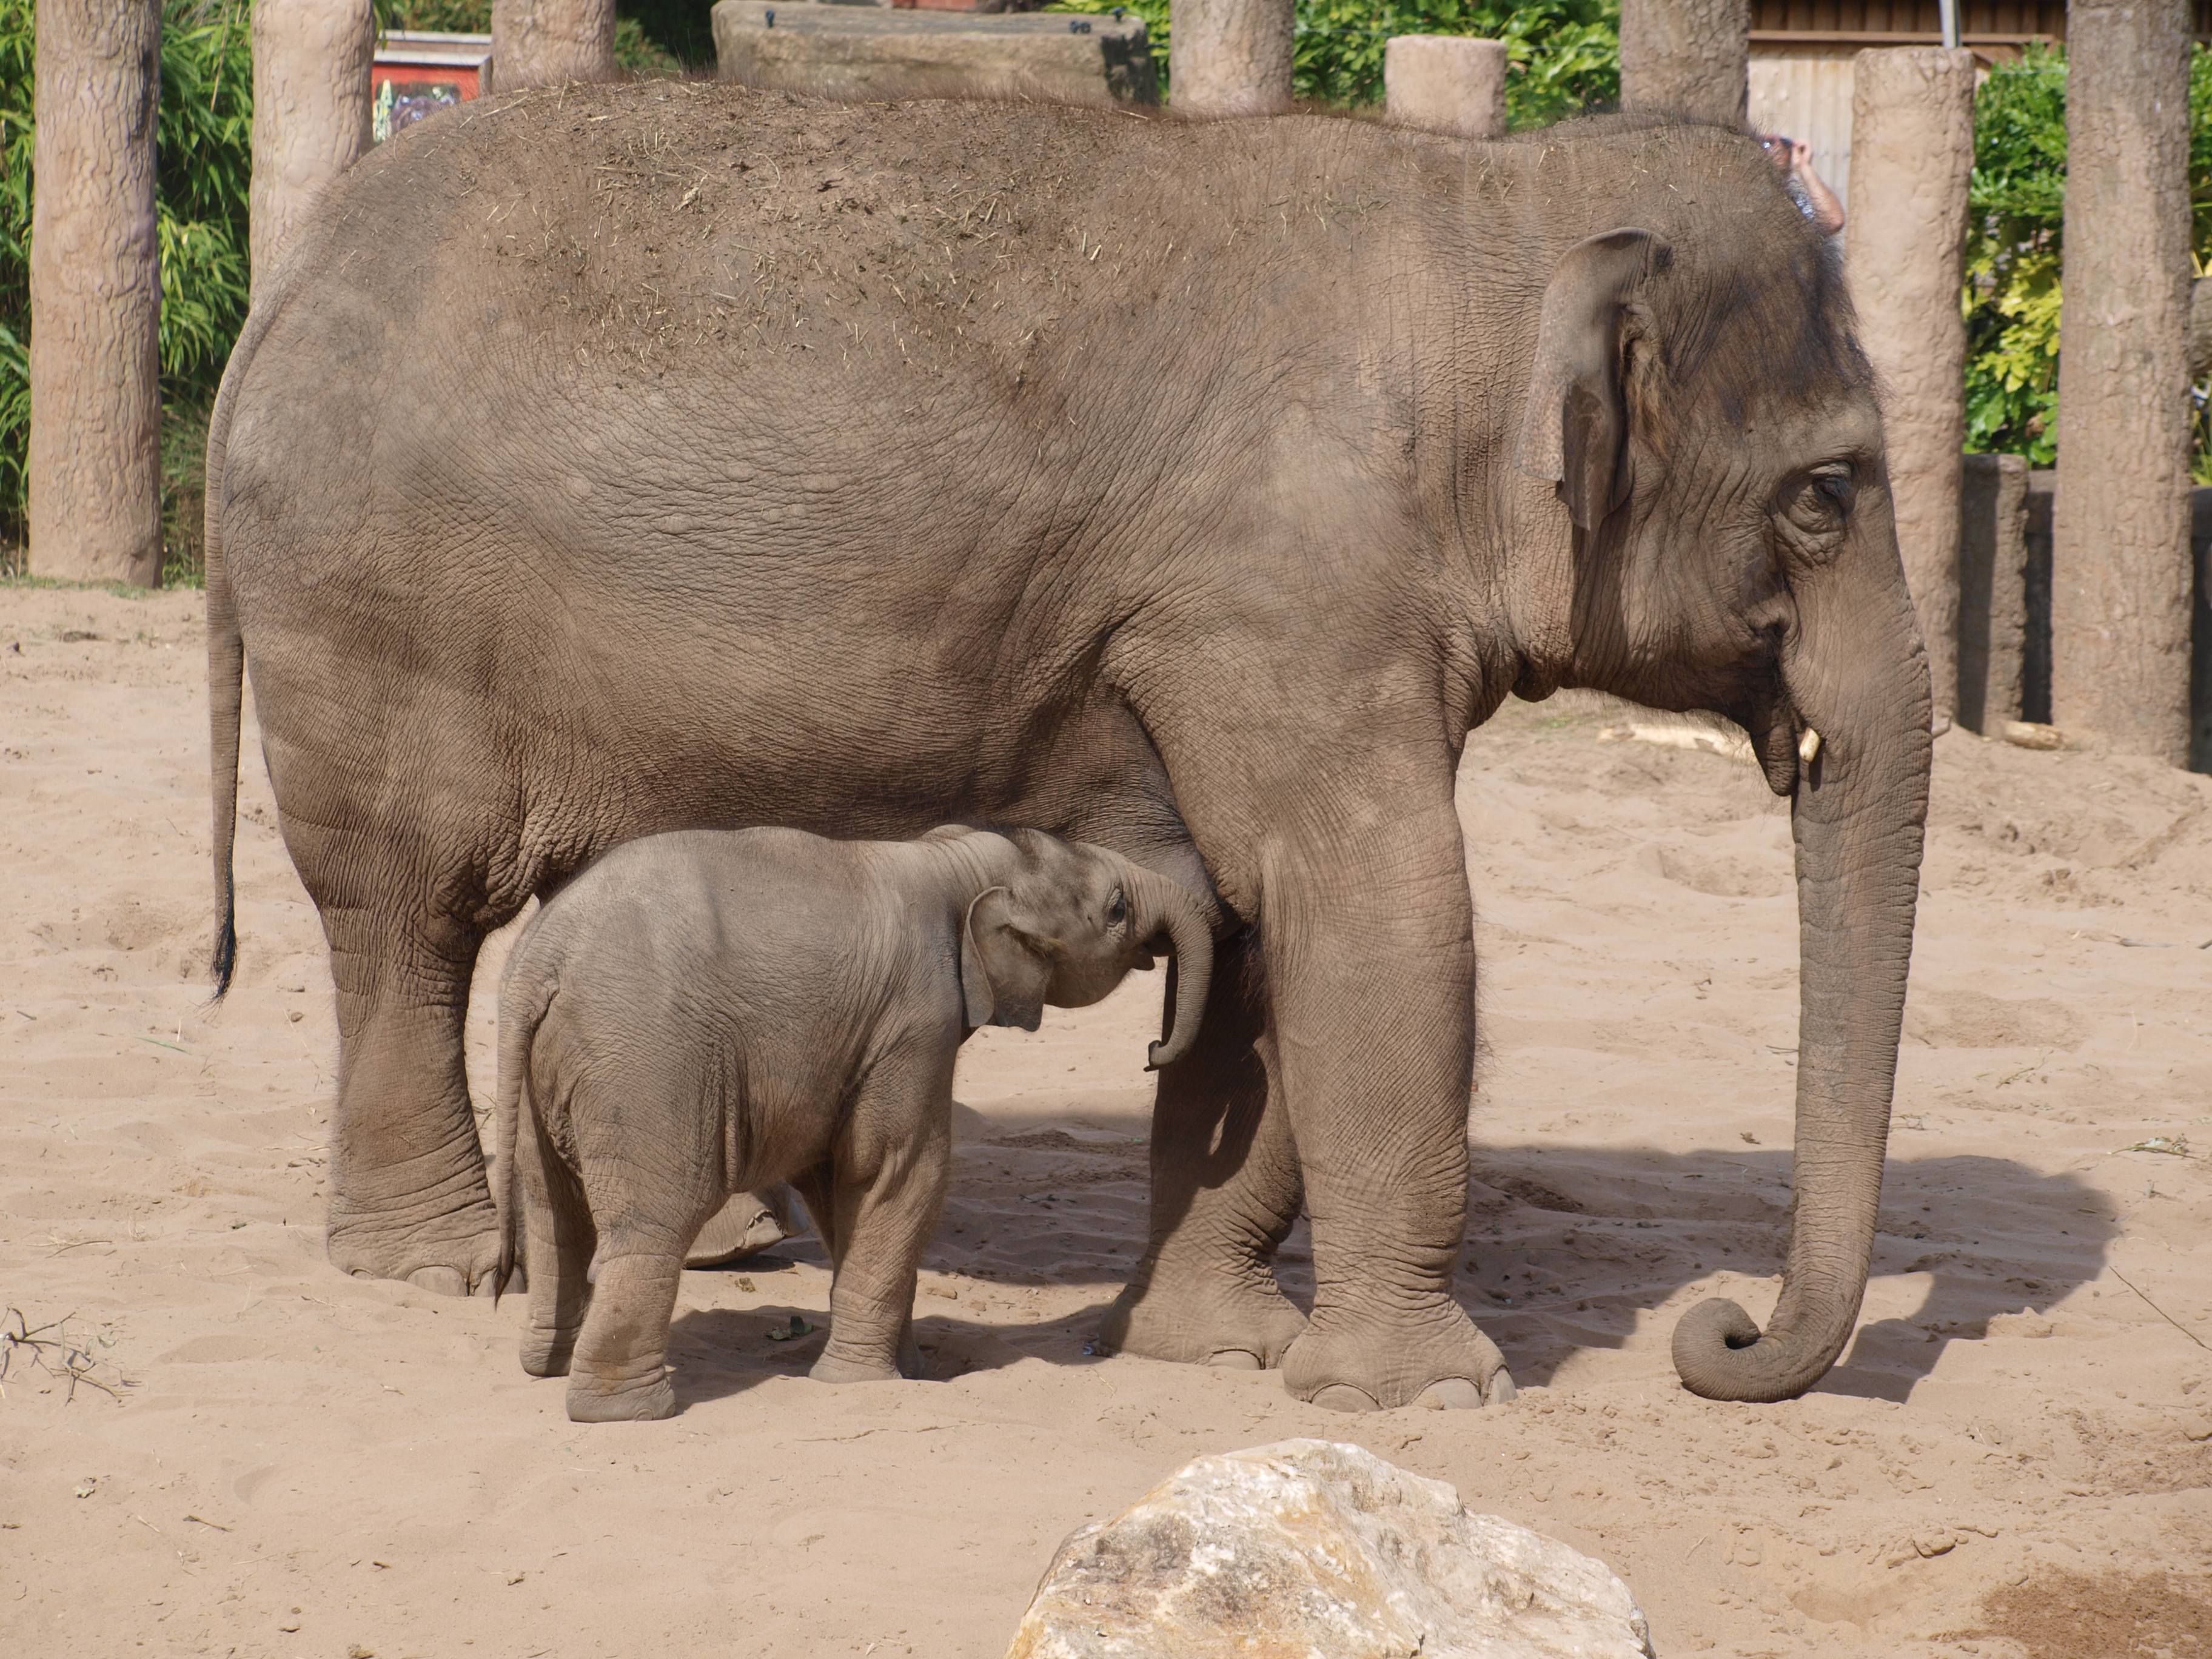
{"type": "Point", "coordinates": [295, 1463]}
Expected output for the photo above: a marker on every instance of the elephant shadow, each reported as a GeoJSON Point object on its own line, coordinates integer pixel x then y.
{"type": "Point", "coordinates": [1570, 1245]}
{"type": "Point", "coordinates": [720, 1352]}
{"type": "Point", "coordinates": [1569, 1248]}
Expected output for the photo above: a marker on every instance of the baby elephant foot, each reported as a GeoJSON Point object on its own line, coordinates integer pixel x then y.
{"type": "Point", "coordinates": [646, 1400]}
{"type": "Point", "coordinates": [547, 1353]}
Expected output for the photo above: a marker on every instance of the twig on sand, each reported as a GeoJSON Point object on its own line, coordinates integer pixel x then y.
{"type": "Point", "coordinates": [43, 1350]}
{"type": "Point", "coordinates": [2159, 1311]}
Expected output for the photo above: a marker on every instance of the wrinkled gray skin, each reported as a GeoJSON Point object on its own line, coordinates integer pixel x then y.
{"type": "Point", "coordinates": [702, 1011]}
{"type": "Point", "coordinates": [629, 458]}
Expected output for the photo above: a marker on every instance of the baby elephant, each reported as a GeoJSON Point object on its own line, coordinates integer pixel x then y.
{"type": "Point", "coordinates": [703, 1012]}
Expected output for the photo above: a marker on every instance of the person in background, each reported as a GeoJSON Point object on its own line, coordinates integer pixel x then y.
{"type": "Point", "coordinates": [1814, 198]}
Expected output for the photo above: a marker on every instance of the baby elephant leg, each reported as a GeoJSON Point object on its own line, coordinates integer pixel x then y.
{"type": "Point", "coordinates": [558, 1244]}
{"type": "Point", "coordinates": [893, 1161]}
{"type": "Point", "coordinates": [620, 1373]}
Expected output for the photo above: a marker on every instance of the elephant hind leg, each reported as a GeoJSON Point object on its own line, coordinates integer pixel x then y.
{"type": "Point", "coordinates": [408, 1195]}
{"type": "Point", "coordinates": [1225, 1191]}
{"type": "Point", "coordinates": [619, 1373]}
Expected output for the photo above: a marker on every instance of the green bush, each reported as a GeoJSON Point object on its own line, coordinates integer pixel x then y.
{"type": "Point", "coordinates": [1564, 54]}
{"type": "Point", "coordinates": [2015, 252]}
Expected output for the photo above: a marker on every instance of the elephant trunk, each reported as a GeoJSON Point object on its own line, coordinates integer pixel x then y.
{"type": "Point", "coordinates": [1162, 903]}
{"type": "Point", "coordinates": [1857, 674]}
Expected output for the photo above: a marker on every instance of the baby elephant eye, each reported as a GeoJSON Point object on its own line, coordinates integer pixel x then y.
{"type": "Point", "coordinates": [1117, 909]}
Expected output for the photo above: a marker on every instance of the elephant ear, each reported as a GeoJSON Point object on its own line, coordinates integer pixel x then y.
{"type": "Point", "coordinates": [1575, 430]}
{"type": "Point", "coordinates": [1003, 973]}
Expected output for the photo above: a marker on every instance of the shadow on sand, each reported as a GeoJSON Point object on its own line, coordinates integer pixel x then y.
{"type": "Point", "coordinates": [1567, 1247]}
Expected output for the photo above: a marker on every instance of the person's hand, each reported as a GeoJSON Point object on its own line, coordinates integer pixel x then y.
{"type": "Point", "coordinates": [1800, 156]}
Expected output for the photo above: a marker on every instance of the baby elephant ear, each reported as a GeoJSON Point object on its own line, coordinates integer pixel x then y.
{"type": "Point", "coordinates": [1002, 976]}
{"type": "Point", "coordinates": [1575, 432]}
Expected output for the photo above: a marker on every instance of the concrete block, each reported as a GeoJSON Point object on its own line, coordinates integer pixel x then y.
{"type": "Point", "coordinates": [1992, 589]}
{"type": "Point", "coordinates": [873, 52]}
{"type": "Point", "coordinates": [1445, 84]}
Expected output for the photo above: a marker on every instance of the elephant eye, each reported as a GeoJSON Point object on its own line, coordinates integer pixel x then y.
{"type": "Point", "coordinates": [1117, 909]}
{"type": "Point", "coordinates": [1825, 500]}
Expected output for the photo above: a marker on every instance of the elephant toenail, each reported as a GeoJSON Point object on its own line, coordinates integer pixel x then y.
{"type": "Point", "coordinates": [1450, 1394]}
{"type": "Point", "coordinates": [1235, 1360]}
{"type": "Point", "coordinates": [1343, 1397]}
{"type": "Point", "coordinates": [1500, 1391]}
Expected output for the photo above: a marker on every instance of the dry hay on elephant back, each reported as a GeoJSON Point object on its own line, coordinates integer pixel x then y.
{"type": "Point", "coordinates": [680, 216]}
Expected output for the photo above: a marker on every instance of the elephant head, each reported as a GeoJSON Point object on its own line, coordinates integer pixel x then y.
{"type": "Point", "coordinates": [1713, 432]}
{"type": "Point", "coordinates": [1064, 922]}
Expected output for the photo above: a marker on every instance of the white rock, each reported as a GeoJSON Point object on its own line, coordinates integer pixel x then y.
{"type": "Point", "coordinates": [1308, 1547]}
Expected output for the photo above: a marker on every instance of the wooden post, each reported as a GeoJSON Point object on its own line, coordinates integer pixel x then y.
{"type": "Point", "coordinates": [545, 43]}
{"type": "Point", "coordinates": [1912, 159]}
{"type": "Point", "coordinates": [1446, 83]}
{"type": "Point", "coordinates": [1686, 57]}
{"type": "Point", "coordinates": [311, 109]}
{"type": "Point", "coordinates": [2120, 576]}
{"type": "Point", "coordinates": [95, 459]}
{"type": "Point", "coordinates": [1992, 591]}
{"type": "Point", "coordinates": [1229, 56]}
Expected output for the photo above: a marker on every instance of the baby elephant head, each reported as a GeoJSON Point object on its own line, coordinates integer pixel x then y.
{"type": "Point", "coordinates": [1065, 922]}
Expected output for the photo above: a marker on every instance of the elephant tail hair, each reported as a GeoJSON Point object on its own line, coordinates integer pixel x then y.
{"type": "Point", "coordinates": [522, 1005]}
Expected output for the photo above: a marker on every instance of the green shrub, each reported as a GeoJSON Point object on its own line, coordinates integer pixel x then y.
{"type": "Point", "coordinates": [1564, 54]}
{"type": "Point", "coordinates": [2015, 252]}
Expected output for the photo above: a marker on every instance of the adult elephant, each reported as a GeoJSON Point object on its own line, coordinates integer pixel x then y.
{"type": "Point", "coordinates": [608, 460]}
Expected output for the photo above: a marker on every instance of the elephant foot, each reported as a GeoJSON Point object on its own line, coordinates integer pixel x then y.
{"type": "Point", "coordinates": [1203, 1319]}
{"type": "Point", "coordinates": [838, 1368]}
{"type": "Point", "coordinates": [1442, 1362]}
{"type": "Point", "coordinates": [547, 1353]}
{"type": "Point", "coordinates": [644, 1400]}
{"type": "Point", "coordinates": [456, 1253]}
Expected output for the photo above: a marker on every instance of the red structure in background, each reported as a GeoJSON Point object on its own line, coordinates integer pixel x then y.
{"type": "Point", "coordinates": [415, 75]}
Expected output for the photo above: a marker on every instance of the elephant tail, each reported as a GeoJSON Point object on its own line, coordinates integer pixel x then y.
{"type": "Point", "coordinates": [523, 1000]}
{"type": "Point", "coordinates": [226, 652]}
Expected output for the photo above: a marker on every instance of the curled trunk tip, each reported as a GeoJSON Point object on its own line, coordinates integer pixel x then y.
{"type": "Point", "coordinates": [1169, 904]}
{"type": "Point", "coordinates": [1721, 1353]}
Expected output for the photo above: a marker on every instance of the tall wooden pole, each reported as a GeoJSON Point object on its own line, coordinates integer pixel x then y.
{"type": "Point", "coordinates": [545, 43]}
{"type": "Point", "coordinates": [95, 460]}
{"type": "Point", "coordinates": [1686, 57]}
{"type": "Point", "coordinates": [1912, 161]}
{"type": "Point", "coordinates": [1229, 56]}
{"type": "Point", "coordinates": [2119, 543]}
{"type": "Point", "coordinates": [311, 109]}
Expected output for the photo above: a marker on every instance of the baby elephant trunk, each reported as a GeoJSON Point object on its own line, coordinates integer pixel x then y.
{"type": "Point", "coordinates": [1163, 905]}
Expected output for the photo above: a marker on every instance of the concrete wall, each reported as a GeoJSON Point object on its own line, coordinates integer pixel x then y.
{"type": "Point", "coordinates": [873, 51]}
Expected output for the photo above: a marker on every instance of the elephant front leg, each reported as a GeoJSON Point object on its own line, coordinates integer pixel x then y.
{"type": "Point", "coordinates": [1371, 964]}
{"type": "Point", "coordinates": [876, 1213]}
{"type": "Point", "coordinates": [408, 1195]}
{"type": "Point", "coordinates": [1226, 1190]}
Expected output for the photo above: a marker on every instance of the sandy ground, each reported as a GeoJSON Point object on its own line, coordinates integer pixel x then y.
{"type": "Point", "coordinates": [300, 1464]}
